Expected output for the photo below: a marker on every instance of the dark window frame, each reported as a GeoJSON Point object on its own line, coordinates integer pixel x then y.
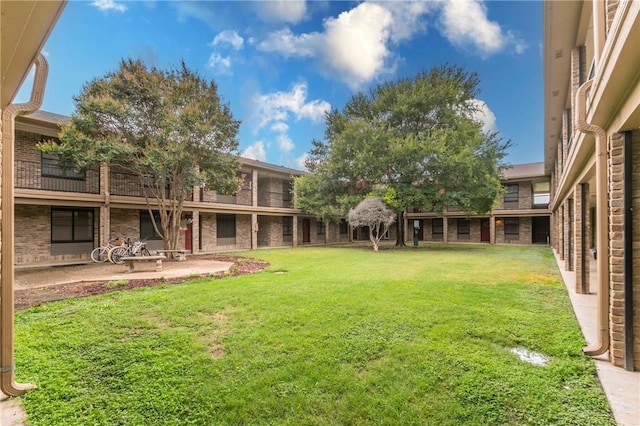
{"type": "Point", "coordinates": [226, 225]}
{"type": "Point", "coordinates": [437, 228]}
{"type": "Point", "coordinates": [147, 231]}
{"type": "Point", "coordinates": [73, 228]}
{"type": "Point", "coordinates": [344, 227]}
{"type": "Point", "coordinates": [464, 226]}
{"type": "Point", "coordinates": [512, 196]}
{"type": "Point", "coordinates": [50, 166]}
{"type": "Point", "coordinates": [512, 226]}
{"type": "Point", "coordinates": [287, 226]}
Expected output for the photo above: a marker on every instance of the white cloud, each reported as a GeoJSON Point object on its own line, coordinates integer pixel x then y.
{"type": "Point", "coordinates": [465, 24]}
{"type": "Point", "coordinates": [300, 162]}
{"type": "Point", "coordinates": [219, 63]}
{"type": "Point", "coordinates": [228, 37]}
{"type": "Point", "coordinates": [288, 44]}
{"type": "Point", "coordinates": [255, 152]}
{"type": "Point", "coordinates": [285, 143]}
{"type": "Point", "coordinates": [282, 11]}
{"type": "Point", "coordinates": [106, 5]}
{"type": "Point", "coordinates": [354, 45]}
{"type": "Point", "coordinates": [484, 115]}
{"type": "Point", "coordinates": [280, 127]}
{"type": "Point", "coordinates": [276, 107]}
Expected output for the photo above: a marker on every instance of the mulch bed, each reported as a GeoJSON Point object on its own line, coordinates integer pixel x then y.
{"type": "Point", "coordinates": [27, 298]}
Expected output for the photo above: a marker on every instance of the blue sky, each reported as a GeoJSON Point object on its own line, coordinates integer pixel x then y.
{"type": "Point", "coordinates": [281, 64]}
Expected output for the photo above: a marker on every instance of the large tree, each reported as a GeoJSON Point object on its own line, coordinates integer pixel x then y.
{"type": "Point", "coordinates": [419, 137]}
{"type": "Point", "coordinates": [168, 128]}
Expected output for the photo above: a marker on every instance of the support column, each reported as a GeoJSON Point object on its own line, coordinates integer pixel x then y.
{"type": "Point", "coordinates": [294, 237]}
{"type": "Point", "coordinates": [105, 210]}
{"type": "Point", "coordinates": [492, 229]}
{"type": "Point", "coordinates": [445, 229]}
{"type": "Point", "coordinates": [254, 231]}
{"type": "Point", "coordinates": [254, 188]}
{"type": "Point", "coordinates": [195, 231]}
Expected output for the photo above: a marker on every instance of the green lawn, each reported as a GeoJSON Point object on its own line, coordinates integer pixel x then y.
{"type": "Point", "coordinates": [338, 336]}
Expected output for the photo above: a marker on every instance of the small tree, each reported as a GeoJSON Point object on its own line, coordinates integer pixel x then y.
{"type": "Point", "coordinates": [375, 214]}
{"type": "Point", "coordinates": [169, 129]}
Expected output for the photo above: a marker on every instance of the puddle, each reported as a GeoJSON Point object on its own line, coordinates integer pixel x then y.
{"type": "Point", "coordinates": [531, 357]}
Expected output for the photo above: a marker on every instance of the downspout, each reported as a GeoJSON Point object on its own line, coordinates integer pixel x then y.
{"type": "Point", "coordinates": [8, 384]}
{"type": "Point", "coordinates": [602, 216]}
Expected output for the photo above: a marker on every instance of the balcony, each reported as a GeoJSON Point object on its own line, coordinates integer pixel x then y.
{"type": "Point", "coordinates": [49, 177]}
{"type": "Point", "coordinates": [127, 185]}
{"type": "Point", "coordinates": [241, 198]}
{"type": "Point", "coordinates": [275, 199]}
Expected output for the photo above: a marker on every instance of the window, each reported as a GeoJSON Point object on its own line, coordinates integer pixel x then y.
{"type": "Point", "coordinates": [71, 225]}
{"type": "Point", "coordinates": [464, 227]}
{"type": "Point", "coordinates": [226, 225]}
{"type": "Point", "coordinates": [437, 228]}
{"type": "Point", "coordinates": [512, 226]}
{"type": "Point", "coordinates": [344, 227]}
{"type": "Point", "coordinates": [319, 227]}
{"type": "Point", "coordinates": [287, 226]}
{"type": "Point", "coordinates": [51, 166]}
{"type": "Point", "coordinates": [541, 194]}
{"type": "Point", "coordinates": [147, 231]}
{"type": "Point", "coordinates": [511, 196]}
{"type": "Point", "coordinates": [286, 194]}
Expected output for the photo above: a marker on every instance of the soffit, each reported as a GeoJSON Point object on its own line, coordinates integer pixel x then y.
{"type": "Point", "coordinates": [24, 28]}
{"type": "Point", "coordinates": [561, 27]}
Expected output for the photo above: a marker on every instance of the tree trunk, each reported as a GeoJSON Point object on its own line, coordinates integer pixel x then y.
{"type": "Point", "coordinates": [400, 230]}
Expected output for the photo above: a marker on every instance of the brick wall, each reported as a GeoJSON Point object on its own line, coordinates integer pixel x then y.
{"type": "Point", "coordinates": [270, 232]}
{"type": "Point", "coordinates": [32, 234]}
{"type": "Point", "coordinates": [612, 7]}
{"type": "Point", "coordinates": [636, 248]}
{"type": "Point", "coordinates": [616, 248]}
{"type": "Point", "coordinates": [524, 232]}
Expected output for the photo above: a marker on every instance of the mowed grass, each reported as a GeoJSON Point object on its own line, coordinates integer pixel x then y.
{"type": "Point", "coordinates": [324, 336]}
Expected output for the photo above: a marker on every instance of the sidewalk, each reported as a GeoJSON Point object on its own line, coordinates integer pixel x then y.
{"type": "Point", "coordinates": [621, 387]}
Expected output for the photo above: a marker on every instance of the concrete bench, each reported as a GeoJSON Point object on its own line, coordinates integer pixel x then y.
{"type": "Point", "coordinates": [130, 261]}
{"type": "Point", "coordinates": [180, 255]}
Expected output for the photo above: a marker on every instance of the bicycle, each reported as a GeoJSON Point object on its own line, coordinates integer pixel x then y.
{"type": "Point", "coordinates": [135, 248]}
{"type": "Point", "coordinates": [101, 254]}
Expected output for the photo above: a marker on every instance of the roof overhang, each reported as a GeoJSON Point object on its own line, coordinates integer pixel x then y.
{"type": "Point", "coordinates": [24, 28]}
{"type": "Point", "coordinates": [561, 26]}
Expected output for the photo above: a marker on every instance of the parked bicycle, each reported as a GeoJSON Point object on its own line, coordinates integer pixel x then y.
{"type": "Point", "coordinates": [130, 248]}
{"type": "Point", "coordinates": [101, 254]}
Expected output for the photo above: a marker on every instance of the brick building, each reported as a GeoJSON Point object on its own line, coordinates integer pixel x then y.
{"type": "Point", "coordinates": [61, 214]}
{"type": "Point", "coordinates": [592, 153]}
{"type": "Point", "coordinates": [521, 215]}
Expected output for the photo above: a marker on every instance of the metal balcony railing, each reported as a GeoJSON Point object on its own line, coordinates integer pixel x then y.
{"type": "Point", "coordinates": [50, 177]}
{"type": "Point", "coordinates": [127, 185]}
{"type": "Point", "coordinates": [242, 197]}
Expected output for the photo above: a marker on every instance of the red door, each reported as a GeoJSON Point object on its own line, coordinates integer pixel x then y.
{"type": "Point", "coordinates": [187, 237]}
{"type": "Point", "coordinates": [485, 231]}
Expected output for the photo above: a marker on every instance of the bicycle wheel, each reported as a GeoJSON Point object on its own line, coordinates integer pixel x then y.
{"type": "Point", "coordinates": [145, 252]}
{"type": "Point", "coordinates": [99, 254]}
{"type": "Point", "coordinates": [117, 254]}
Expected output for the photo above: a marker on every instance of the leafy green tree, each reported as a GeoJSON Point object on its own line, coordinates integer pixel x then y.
{"type": "Point", "coordinates": [169, 128]}
{"type": "Point", "coordinates": [414, 142]}
{"type": "Point", "coordinates": [373, 213]}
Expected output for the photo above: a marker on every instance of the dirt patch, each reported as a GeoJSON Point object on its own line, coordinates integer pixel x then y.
{"type": "Point", "coordinates": [29, 297]}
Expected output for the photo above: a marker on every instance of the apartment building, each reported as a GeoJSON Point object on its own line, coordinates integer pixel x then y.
{"type": "Point", "coordinates": [61, 215]}
{"type": "Point", "coordinates": [592, 153]}
{"type": "Point", "coordinates": [521, 215]}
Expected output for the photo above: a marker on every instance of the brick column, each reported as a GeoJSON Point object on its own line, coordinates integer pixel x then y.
{"type": "Point", "coordinates": [254, 231]}
{"type": "Point", "coordinates": [445, 229]}
{"type": "Point", "coordinates": [295, 231]}
{"type": "Point", "coordinates": [492, 229]}
{"type": "Point", "coordinates": [195, 231]}
{"type": "Point", "coordinates": [616, 247]}
{"type": "Point", "coordinates": [254, 187]}
{"type": "Point", "coordinates": [581, 238]}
